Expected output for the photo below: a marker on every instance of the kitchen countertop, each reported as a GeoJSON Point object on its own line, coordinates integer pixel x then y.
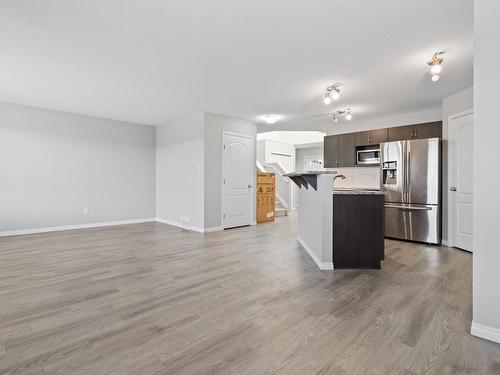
{"type": "Point", "coordinates": [358, 192]}
{"type": "Point", "coordinates": [308, 173]}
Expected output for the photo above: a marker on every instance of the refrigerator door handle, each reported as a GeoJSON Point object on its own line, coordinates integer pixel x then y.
{"type": "Point", "coordinates": [404, 171]}
{"type": "Point", "coordinates": [408, 176]}
{"type": "Point", "coordinates": [409, 208]}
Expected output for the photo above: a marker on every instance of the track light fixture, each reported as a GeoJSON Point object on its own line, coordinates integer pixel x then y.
{"type": "Point", "coordinates": [332, 92]}
{"type": "Point", "coordinates": [342, 112]}
{"type": "Point", "coordinates": [435, 64]}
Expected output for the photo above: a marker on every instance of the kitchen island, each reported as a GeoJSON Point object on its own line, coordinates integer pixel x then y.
{"type": "Point", "coordinates": [339, 228]}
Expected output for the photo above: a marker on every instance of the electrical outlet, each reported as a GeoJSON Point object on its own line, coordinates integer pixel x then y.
{"type": "Point", "coordinates": [85, 211]}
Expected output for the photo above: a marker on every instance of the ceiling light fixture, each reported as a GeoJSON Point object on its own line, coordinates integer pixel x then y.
{"type": "Point", "coordinates": [435, 64]}
{"type": "Point", "coordinates": [270, 119]}
{"type": "Point", "coordinates": [332, 92]}
{"type": "Point", "coordinates": [342, 112]}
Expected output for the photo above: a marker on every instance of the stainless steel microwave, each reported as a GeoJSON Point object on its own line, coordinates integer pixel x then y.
{"type": "Point", "coordinates": [368, 156]}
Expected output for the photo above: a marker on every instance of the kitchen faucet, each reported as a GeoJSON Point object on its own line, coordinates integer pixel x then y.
{"type": "Point", "coordinates": [337, 176]}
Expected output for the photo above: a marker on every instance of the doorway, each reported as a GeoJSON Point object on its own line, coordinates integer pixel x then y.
{"type": "Point", "coordinates": [460, 212]}
{"type": "Point", "coordinates": [238, 180]}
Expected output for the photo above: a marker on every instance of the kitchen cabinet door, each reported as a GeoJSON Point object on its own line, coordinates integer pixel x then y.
{"type": "Point", "coordinates": [428, 130]}
{"type": "Point", "coordinates": [363, 138]}
{"type": "Point", "coordinates": [347, 150]}
{"type": "Point", "coordinates": [379, 136]}
{"type": "Point", "coordinates": [331, 151]}
{"type": "Point", "coordinates": [401, 133]}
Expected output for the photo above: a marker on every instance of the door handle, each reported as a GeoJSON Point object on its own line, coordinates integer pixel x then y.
{"type": "Point", "coordinates": [409, 208]}
{"type": "Point", "coordinates": [453, 188]}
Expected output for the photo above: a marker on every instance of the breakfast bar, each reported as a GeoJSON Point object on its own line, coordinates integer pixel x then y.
{"type": "Point", "coordinates": [339, 228]}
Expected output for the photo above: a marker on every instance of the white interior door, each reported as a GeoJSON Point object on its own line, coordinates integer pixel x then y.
{"type": "Point", "coordinates": [237, 180]}
{"type": "Point", "coordinates": [461, 181]}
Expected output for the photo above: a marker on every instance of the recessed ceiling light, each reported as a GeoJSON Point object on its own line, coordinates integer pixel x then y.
{"type": "Point", "coordinates": [270, 119]}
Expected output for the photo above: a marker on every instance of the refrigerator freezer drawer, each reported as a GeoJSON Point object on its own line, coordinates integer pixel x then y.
{"type": "Point", "coordinates": [413, 222]}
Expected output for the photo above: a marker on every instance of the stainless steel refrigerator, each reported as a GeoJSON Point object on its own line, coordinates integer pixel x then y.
{"type": "Point", "coordinates": [411, 177]}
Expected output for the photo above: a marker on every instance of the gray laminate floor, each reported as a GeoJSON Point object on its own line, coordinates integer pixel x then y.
{"type": "Point", "coordinates": [151, 299]}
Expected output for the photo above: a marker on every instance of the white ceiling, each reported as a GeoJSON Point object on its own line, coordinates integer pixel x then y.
{"type": "Point", "coordinates": [153, 61]}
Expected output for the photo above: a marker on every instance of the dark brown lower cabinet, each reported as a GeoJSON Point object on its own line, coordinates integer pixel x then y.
{"type": "Point", "coordinates": [358, 230]}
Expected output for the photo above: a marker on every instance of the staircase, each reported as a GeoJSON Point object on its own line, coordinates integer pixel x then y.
{"type": "Point", "coordinates": [279, 210]}
{"type": "Point", "coordinates": [283, 190]}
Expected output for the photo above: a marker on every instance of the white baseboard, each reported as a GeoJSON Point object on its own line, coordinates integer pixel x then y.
{"type": "Point", "coordinates": [445, 243]}
{"type": "Point", "coordinates": [71, 227]}
{"type": "Point", "coordinates": [485, 332]}
{"type": "Point", "coordinates": [214, 229]}
{"type": "Point", "coordinates": [324, 266]}
{"type": "Point", "coordinates": [177, 224]}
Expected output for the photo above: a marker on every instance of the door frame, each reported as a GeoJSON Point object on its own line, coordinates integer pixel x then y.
{"type": "Point", "coordinates": [252, 203]}
{"type": "Point", "coordinates": [451, 211]}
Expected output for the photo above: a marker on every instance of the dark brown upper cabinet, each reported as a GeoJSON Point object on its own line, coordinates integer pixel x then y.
{"type": "Point", "coordinates": [380, 136]}
{"type": "Point", "coordinates": [418, 131]}
{"type": "Point", "coordinates": [372, 137]}
{"type": "Point", "coordinates": [347, 150]}
{"type": "Point", "coordinates": [339, 151]}
{"type": "Point", "coordinates": [331, 151]}
{"type": "Point", "coordinates": [400, 133]}
{"type": "Point", "coordinates": [429, 130]}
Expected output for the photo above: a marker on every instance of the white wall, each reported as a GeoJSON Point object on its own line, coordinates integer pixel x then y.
{"type": "Point", "coordinates": [272, 151]}
{"type": "Point", "coordinates": [486, 258]}
{"type": "Point", "coordinates": [300, 153]}
{"type": "Point", "coordinates": [55, 164]}
{"type": "Point", "coordinates": [214, 126]}
{"type": "Point", "coordinates": [454, 104]}
{"type": "Point", "coordinates": [180, 171]}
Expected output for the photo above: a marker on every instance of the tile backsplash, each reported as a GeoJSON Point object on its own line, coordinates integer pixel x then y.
{"type": "Point", "coordinates": [359, 178]}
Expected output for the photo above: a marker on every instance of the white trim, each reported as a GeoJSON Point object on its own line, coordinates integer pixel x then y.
{"type": "Point", "coordinates": [445, 243]}
{"type": "Point", "coordinates": [324, 266]}
{"type": "Point", "coordinates": [20, 232]}
{"type": "Point", "coordinates": [177, 224]}
{"type": "Point", "coordinates": [451, 232]}
{"type": "Point", "coordinates": [485, 332]}
{"type": "Point", "coordinates": [213, 229]}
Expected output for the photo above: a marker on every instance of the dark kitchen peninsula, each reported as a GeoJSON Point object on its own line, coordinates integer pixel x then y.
{"type": "Point", "coordinates": [339, 228]}
{"type": "Point", "coordinates": [358, 229]}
